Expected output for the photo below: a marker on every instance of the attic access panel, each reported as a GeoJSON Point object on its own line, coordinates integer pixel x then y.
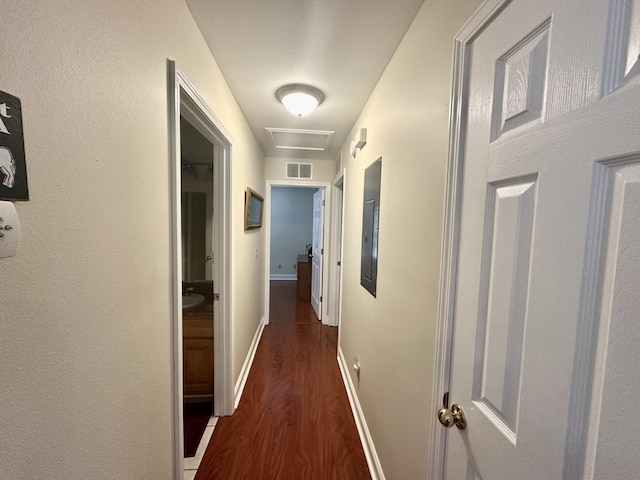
{"type": "Point", "coordinates": [370, 214]}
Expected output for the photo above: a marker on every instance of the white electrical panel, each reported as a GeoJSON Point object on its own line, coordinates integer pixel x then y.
{"type": "Point", "coordinates": [9, 229]}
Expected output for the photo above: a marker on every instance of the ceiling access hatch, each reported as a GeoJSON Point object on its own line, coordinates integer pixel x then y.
{"type": "Point", "coordinates": [293, 139]}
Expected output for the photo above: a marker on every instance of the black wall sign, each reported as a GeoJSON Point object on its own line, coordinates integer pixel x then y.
{"type": "Point", "coordinates": [13, 167]}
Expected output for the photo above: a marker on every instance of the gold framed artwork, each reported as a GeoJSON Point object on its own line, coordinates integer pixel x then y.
{"type": "Point", "coordinates": [253, 208]}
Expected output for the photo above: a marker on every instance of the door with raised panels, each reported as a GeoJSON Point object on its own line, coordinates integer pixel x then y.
{"type": "Point", "coordinates": [318, 252]}
{"type": "Point", "coordinates": [547, 293]}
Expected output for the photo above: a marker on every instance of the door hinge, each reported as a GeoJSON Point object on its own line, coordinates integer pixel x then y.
{"type": "Point", "coordinates": [322, 251]}
{"type": "Point", "coordinates": [216, 297]}
{"type": "Point", "coordinates": [323, 203]}
{"type": "Point", "coordinates": [320, 298]}
{"type": "Point", "coordinates": [339, 263]}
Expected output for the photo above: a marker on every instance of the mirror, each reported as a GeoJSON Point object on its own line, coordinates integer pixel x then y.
{"type": "Point", "coordinates": [197, 154]}
{"type": "Point", "coordinates": [194, 236]}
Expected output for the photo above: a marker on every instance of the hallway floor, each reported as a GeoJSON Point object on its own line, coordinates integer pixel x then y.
{"type": "Point", "coordinates": [294, 420]}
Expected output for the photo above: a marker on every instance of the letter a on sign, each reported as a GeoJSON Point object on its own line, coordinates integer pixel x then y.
{"type": "Point", "coordinates": [13, 167]}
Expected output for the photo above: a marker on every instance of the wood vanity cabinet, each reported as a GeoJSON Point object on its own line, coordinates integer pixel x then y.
{"type": "Point", "coordinates": [197, 345]}
{"type": "Point", "coordinates": [304, 278]}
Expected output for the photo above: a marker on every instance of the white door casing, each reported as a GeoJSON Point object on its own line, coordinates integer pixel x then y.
{"type": "Point", "coordinates": [318, 252]}
{"type": "Point", "coordinates": [184, 100]}
{"type": "Point", "coordinates": [541, 284]}
{"type": "Point", "coordinates": [337, 229]}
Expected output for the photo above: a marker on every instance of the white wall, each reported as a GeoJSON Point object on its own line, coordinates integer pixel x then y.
{"type": "Point", "coordinates": [202, 183]}
{"type": "Point", "coordinates": [291, 227]}
{"type": "Point", "coordinates": [393, 335]}
{"type": "Point", "coordinates": [85, 305]}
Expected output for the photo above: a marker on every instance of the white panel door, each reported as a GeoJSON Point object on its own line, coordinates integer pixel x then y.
{"type": "Point", "coordinates": [547, 293]}
{"type": "Point", "coordinates": [318, 252]}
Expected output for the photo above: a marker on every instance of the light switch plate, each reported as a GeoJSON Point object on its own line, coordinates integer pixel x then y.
{"type": "Point", "coordinates": [9, 229]}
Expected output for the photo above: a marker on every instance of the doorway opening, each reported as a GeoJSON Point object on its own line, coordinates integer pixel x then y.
{"type": "Point", "coordinates": [201, 263]}
{"type": "Point", "coordinates": [296, 214]}
{"type": "Point", "coordinates": [198, 228]}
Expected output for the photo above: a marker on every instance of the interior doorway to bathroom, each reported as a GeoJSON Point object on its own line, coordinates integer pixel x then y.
{"type": "Point", "coordinates": [201, 266]}
{"type": "Point", "coordinates": [197, 231]}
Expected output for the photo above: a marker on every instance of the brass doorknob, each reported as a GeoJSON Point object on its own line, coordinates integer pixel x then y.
{"type": "Point", "coordinates": [458, 416]}
{"type": "Point", "coordinates": [455, 416]}
{"type": "Point", "coordinates": [445, 417]}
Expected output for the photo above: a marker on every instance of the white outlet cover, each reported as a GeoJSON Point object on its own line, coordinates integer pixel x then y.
{"type": "Point", "coordinates": [9, 229]}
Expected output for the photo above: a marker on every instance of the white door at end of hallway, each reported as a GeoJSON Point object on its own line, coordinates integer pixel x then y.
{"type": "Point", "coordinates": [318, 252]}
{"type": "Point", "coordinates": [545, 323]}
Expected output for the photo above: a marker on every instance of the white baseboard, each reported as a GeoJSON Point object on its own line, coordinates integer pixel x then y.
{"type": "Point", "coordinates": [375, 468]}
{"type": "Point", "coordinates": [246, 367]}
{"type": "Point", "coordinates": [283, 276]}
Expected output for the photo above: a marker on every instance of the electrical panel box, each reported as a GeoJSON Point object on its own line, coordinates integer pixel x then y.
{"type": "Point", "coordinates": [370, 220]}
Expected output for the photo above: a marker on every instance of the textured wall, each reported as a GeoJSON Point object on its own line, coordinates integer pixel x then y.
{"type": "Point", "coordinates": [85, 350]}
{"type": "Point", "coordinates": [393, 335]}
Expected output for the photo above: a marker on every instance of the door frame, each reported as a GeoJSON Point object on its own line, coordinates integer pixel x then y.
{"type": "Point", "coordinates": [451, 227]}
{"type": "Point", "coordinates": [337, 240]}
{"type": "Point", "coordinates": [267, 241]}
{"type": "Point", "coordinates": [184, 100]}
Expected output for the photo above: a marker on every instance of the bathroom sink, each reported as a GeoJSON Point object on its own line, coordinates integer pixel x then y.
{"type": "Point", "coordinates": [191, 300]}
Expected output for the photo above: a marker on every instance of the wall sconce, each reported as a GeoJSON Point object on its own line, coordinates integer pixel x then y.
{"type": "Point", "coordinates": [358, 142]}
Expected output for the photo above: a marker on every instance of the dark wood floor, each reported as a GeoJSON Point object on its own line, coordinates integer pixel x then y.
{"type": "Point", "coordinates": [294, 421]}
{"type": "Point", "coordinates": [196, 417]}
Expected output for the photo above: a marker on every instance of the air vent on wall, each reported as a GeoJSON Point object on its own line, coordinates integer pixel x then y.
{"type": "Point", "coordinates": [299, 170]}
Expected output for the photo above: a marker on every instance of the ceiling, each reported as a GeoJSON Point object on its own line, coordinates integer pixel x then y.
{"type": "Point", "coordinates": [339, 46]}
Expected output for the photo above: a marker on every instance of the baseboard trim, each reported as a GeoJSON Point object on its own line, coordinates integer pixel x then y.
{"type": "Point", "coordinates": [283, 276]}
{"type": "Point", "coordinates": [246, 367]}
{"type": "Point", "coordinates": [375, 468]}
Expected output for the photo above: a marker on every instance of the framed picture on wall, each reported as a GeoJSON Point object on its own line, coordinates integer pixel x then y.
{"type": "Point", "coordinates": [253, 207]}
{"type": "Point", "coordinates": [13, 166]}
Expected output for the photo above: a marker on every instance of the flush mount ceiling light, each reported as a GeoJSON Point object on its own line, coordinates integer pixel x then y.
{"type": "Point", "coordinates": [300, 99]}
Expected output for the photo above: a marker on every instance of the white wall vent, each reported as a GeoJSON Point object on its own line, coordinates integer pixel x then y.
{"type": "Point", "coordinates": [299, 170]}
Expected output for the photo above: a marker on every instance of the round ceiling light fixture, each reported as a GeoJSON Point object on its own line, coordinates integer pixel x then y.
{"type": "Point", "coordinates": [299, 99]}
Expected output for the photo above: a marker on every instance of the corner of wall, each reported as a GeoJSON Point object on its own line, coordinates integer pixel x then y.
{"type": "Point", "coordinates": [375, 467]}
{"type": "Point", "coordinates": [246, 366]}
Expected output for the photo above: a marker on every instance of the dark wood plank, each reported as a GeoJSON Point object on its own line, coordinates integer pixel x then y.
{"type": "Point", "coordinates": [294, 420]}
{"type": "Point", "coordinates": [196, 417]}
{"type": "Point", "coordinates": [284, 306]}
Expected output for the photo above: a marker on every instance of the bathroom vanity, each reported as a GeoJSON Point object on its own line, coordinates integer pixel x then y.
{"type": "Point", "coordinates": [197, 344]}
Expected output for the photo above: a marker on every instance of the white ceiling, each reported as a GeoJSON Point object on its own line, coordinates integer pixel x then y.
{"type": "Point", "coordinates": [339, 46]}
